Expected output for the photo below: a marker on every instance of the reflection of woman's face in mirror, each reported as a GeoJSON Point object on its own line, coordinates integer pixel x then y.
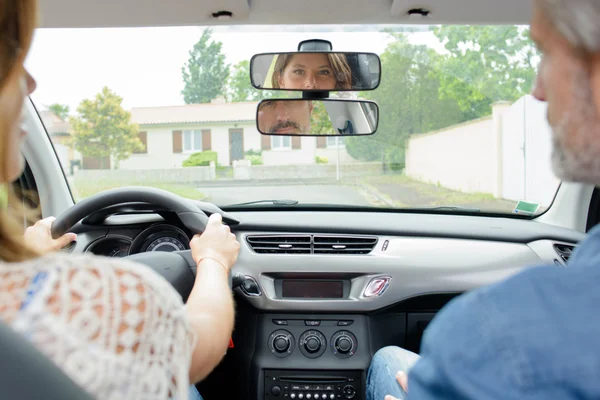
{"type": "Point", "coordinates": [285, 117]}
{"type": "Point", "coordinates": [308, 71]}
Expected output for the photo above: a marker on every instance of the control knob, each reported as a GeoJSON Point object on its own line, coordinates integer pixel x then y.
{"type": "Point", "coordinates": [312, 344]}
{"type": "Point", "coordinates": [281, 343]}
{"type": "Point", "coordinates": [343, 344]}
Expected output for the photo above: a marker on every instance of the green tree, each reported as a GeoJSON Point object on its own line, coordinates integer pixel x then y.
{"type": "Point", "coordinates": [485, 64]}
{"type": "Point", "coordinates": [239, 87]}
{"type": "Point", "coordinates": [103, 128]}
{"type": "Point", "coordinates": [60, 110]}
{"type": "Point", "coordinates": [408, 100]}
{"type": "Point", "coordinates": [205, 73]}
{"type": "Point", "coordinates": [320, 121]}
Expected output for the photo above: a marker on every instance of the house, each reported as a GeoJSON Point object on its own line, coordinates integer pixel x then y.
{"type": "Point", "coordinates": [170, 134]}
{"type": "Point", "coordinates": [59, 132]}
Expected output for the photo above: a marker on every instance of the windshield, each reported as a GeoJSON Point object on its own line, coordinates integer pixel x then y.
{"type": "Point", "coordinates": [173, 108]}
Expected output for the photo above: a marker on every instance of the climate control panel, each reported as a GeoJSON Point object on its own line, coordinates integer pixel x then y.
{"type": "Point", "coordinates": [312, 343]}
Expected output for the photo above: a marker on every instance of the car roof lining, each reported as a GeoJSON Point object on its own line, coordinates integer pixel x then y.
{"type": "Point", "coordinates": [147, 13]}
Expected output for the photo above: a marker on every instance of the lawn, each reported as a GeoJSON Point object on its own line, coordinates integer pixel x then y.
{"type": "Point", "coordinates": [402, 191]}
{"type": "Point", "coordinates": [82, 189]}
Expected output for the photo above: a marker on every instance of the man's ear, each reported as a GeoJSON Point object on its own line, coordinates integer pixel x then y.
{"type": "Point", "coordinates": [310, 107]}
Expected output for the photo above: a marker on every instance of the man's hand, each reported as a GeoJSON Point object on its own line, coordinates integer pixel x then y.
{"type": "Point", "coordinates": [39, 236]}
{"type": "Point", "coordinates": [402, 379]}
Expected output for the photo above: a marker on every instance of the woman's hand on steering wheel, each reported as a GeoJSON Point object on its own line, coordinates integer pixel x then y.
{"type": "Point", "coordinates": [216, 243]}
{"type": "Point", "coordinates": [39, 237]}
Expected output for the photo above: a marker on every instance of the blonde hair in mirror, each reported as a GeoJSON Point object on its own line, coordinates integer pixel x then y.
{"type": "Point", "coordinates": [18, 19]}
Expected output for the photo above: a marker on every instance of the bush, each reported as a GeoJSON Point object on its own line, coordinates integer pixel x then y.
{"type": "Point", "coordinates": [252, 152]}
{"type": "Point", "coordinates": [321, 160]}
{"type": "Point", "coordinates": [202, 159]}
{"type": "Point", "coordinates": [255, 159]}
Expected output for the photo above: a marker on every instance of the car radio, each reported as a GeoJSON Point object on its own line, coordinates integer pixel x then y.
{"type": "Point", "coordinates": [313, 385]}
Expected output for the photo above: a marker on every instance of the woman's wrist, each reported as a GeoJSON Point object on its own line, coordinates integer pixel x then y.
{"type": "Point", "coordinates": [212, 260]}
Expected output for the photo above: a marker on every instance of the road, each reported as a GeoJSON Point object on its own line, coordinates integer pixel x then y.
{"type": "Point", "coordinates": [312, 193]}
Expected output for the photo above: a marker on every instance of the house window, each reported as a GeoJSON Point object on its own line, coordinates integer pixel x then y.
{"type": "Point", "coordinates": [281, 143]}
{"type": "Point", "coordinates": [192, 141]}
{"type": "Point", "coordinates": [335, 142]}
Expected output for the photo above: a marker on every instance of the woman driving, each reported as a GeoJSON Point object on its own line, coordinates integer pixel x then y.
{"type": "Point", "coordinates": [117, 328]}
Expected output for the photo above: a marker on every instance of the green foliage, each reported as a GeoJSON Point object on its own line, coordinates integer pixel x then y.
{"type": "Point", "coordinates": [253, 152]}
{"type": "Point", "coordinates": [60, 110]}
{"type": "Point", "coordinates": [424, 91]}
{"type": "Point", "coordinates": [206, 72]}
{"type": "Point", "coordinates": [102, 128]}
{"type": "Point", "coordinates": [201, 159]}
{"type": "Point", "coordinates": [255, 159]}
{"type": "Point", "coordinates": [321, 160]}
{"type": "Point", "coordinates": [485, 64]}
{"type": "Point", "coordinates": [408, 103]}
{"type": "Point", "coordinates": [320, 122]}
{"type": "Point", "coordinates": [239, 87]}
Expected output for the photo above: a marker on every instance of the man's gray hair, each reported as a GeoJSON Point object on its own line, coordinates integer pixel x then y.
{"type": "Point", "coordinates": [577, 20]}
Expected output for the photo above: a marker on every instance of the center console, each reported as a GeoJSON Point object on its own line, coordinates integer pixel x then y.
{"type": "Point", "coordinates": [311, 357]}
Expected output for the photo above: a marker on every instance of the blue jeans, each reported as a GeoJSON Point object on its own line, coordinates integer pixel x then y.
{"type": "Point", "coordinates": [194, 393]}
{"type": "Point", "coordinates": [381, 378]}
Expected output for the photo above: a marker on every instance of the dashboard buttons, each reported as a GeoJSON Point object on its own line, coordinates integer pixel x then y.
{"type": "Point", "coordinates": [312, 323]}
{"type": "Point", "coordinates": [276, 391]}
{"type": "Point", "coordinates": [343, 344]}
{"type": "Point", "coordinates": [281, 343]}
{"type": "Point", "coordinates": [280, 322]}
{"type": "Point", "coordinates": [345, 323]}
{"type": "Point", "coordinates": [349, 392]}
{"type": "Point", "coordinates": [312, 344]}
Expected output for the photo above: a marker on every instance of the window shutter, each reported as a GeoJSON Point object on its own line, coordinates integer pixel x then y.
{"type": "Point", "coordinates": [206, 140]}
{"type": "Point", "coordinates": [177, 142]}
{"type": "Point", "coordinates": [143, 136]}
{"type": "Point", "coordinates": [296, 142]}
{"type": "Point", "coordinates": [321, 142]}
{"type": "Point", "coordinates": [265, 142]}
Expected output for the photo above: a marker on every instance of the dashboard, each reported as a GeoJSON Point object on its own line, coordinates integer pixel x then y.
{"type": "Point", "coordinates": [156, 237]}
{"type": "Point", "coordinates": [323, 291]}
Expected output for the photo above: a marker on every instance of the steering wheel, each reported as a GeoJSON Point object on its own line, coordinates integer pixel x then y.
{"type": "Point", "coordinates": [177, 267]}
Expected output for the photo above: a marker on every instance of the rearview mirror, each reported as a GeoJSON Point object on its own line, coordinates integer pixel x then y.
{"type": "Point", "coordinates": [327, 117]}
{"type": "Point", "coordinates": [312, 71]}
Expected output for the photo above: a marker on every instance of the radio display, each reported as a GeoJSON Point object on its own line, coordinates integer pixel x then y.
{"type": "Point", "coordinates": [307, 289]}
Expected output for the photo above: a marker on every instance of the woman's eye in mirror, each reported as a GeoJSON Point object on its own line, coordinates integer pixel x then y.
{"type": "Point", "coordinates": [325, 72]}
{"type": "Point", "coordinates": [298, 72]}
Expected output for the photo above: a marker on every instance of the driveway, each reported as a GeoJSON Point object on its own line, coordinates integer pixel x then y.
{"type": "Point", "coordinates": [309, 193]}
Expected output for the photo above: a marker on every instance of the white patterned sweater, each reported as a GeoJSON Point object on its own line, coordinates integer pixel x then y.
{"type": "Point", "coordinates": [118, 329]}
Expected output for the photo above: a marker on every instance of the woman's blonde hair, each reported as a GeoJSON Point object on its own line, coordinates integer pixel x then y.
{"type": "Point", "coordinates": [18, 19]}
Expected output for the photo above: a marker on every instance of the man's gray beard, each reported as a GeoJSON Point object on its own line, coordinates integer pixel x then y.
{"type": "Point", "coordinates": [580, 162]}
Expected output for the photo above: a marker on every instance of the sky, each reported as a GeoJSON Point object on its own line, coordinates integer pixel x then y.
{"type": "Point", "coordinates": [143, 65]}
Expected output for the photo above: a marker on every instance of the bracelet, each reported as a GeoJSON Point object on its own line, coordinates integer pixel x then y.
{"type": "Point", "coordinates": [215, 260]}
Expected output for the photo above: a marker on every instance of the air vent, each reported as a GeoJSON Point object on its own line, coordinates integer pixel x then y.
{"type": "Point", "coordinates": [281, 244]}
{"type": "Point", "coordinates": [307, 244]}
{"type": "Point", "coordinates": [564, 251]}
{"type": "Point", "coordinates": [343, 244]}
